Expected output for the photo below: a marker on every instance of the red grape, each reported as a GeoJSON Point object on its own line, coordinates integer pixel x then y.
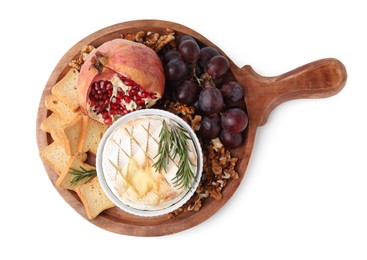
{"type": "Point", "coordinates": [189, 51]}
{"type": "Point", "coordinates": [170, 55]}
{"type": "Point", "coordinates": [175, 69]}
{"type": "Point", "coordinates": [206, 54]}
{"type": "Point", "coordinates": [210, 127]}
{"type": "Point", "coordinates": [217, 66]}
{"type": "Point", "coordinates": [231, 140]}
{"type": "Point", "coordinates": [232, 91]}
{"type": "Point", "coordinates": [184, 38]}
{"type": "Point", "coordinates": [211, 100]}
{"type": "Point", "coordinates": [187, 92]}
{"type": "Point", "coordinates": [234, 120]}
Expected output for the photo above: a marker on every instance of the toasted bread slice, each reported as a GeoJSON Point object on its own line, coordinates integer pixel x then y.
{"type": "Point", "coordinates": [71, 134]}
{"type": "Point", "coordinates": [93, 198]}
{"type": "Point", "coordinates": [66, 89]}
{"type": "Point", "coordinates": [56, 157]}
{"type": "Point", "coordinates": [94, 131]}
{"type": "Point", "coordinates": [56, 105]}
{"type": "Point", "coordinates": [65, 179]}
{"type": "Point", "coordinates": [52, 125]}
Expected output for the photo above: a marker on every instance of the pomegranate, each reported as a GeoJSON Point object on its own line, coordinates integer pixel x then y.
{"type": "Point", "coordinates": [118, 77]}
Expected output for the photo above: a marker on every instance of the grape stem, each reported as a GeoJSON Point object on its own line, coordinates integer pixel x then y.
{"type": "Point", "coordinates": [199, 81]}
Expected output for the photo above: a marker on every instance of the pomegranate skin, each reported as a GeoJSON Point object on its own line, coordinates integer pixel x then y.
{"type": "Point", "coordinates": [131, 60]}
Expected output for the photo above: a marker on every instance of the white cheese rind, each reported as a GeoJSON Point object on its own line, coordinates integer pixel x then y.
{"type": "Point", "coordinates": [128, 156]}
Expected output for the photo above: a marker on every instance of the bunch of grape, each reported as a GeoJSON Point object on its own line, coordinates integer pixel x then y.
{"type": "Point", "coordinates": [197, 77]}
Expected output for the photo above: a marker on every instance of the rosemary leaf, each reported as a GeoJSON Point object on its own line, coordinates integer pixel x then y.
{"type": "Point", "coordinates": [81, 174]}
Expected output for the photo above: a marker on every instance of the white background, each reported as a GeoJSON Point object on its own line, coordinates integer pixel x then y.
{"type": "Point", "coordinates": [304, 195]}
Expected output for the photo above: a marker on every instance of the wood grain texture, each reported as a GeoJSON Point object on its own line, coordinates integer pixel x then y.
{"type": "Point", "coordinates": [318, 79]}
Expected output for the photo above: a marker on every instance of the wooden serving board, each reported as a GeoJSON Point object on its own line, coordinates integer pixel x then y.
{"type": "Point", "coordinates": [318, 79]}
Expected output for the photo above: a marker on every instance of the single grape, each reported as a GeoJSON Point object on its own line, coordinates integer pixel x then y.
{"type": "Point", "coordinates": [189, 51]}
{"type": "Point", "coordinates": [187, 92]}
{"type": "Point", "coordinates": [217, 66]}
{"type": "Point", "coordinates": [206, 54]}
{"type": "Point", "coordinates": [184, 38]}
{"type": "Point", "coordinates": [175, 69]}
{"type": "Point", "coordinates": [170, 55]}
{"type": "Point", "coordinates": [234, 120]}
{"type": "Point", "coordinates": [232, 91]}
{"type": "Point", "coordinates": [210, 127]}
{"type": "Point", "coordinates": [231, 140]}
{"type": "Point", "coordinates": [211, 100]}
{"type": "Point", "coordinates": [197, 107]}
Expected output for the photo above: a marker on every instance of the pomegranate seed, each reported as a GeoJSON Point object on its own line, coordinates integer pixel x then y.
{"type": "Point", "coordinates": [153, 95]}
{"type": "Point", "coordinates": [99, 91]}
{"type": "Point", "coordinates": [105, 115]}
{"type": "Point", "coordinates": [127, 99]}
{"type": "Point", "coordinates": [119, 90]}
{"type": "Point", "coordinates": [100, 102]}
{"type": "Point", "coordinates": [133, 92]}
{"type": "Point", "coordinates": [113, 100]}
{"type": "Point", "coordinates": [120, 96]}
{"type": "Point", "coordinates": [101, 84]}
{"type": "Point", "coordinates": [92, 103]}
{"type": "Point", "coordinates": [129, 83]}
{"type": "Point", "coordinates": [109, 86]}
{"type": "Point", "coordinates": [108, 121]}
{"type": "Point", "coordinates": [144, 94]}
{"type": "Point", "coordinates": [136, 98]}
{"type": "Point", "coordinates": [140, 102]}
{"type": "Point", "coordinates": [95, 86]}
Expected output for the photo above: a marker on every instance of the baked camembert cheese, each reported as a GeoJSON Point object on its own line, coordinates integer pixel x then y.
{"type": "Point", "coordinates": [128, 157]}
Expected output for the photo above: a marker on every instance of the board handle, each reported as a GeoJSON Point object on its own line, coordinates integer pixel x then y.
{"type": "Point", "coordinates": [318, 79]}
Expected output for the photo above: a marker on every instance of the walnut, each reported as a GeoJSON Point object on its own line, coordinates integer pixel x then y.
{"type": "Point", "coordinates": [84, 52]}
{"type": "Point", "coordinates": [170, 31]}
{"type": "Point", "coordinates": [216, 168]}
{"type": "Point", "coordinates": [217, 144]}
{"type": "Point", "coordinates": [74, 64]}
{"type": "Point", "coordinates": [204, 194]}
{"type": "Point", "coordinates": [233, 162]}
{"type": "Point", "coordinates": [184, 109]}
{"type": "Point", "coordinates": [226, 175]}
{"type": "Point", "coordinates": [151, 39]}
{"type": "Point", "coordinates": [196, 205]}
{"type": "Point", "coordinates": [87, 49]}
{"type": "Point", "coordinates": [195, 122]}
{"type": "Point", "coordinates": [211, 154]}
{"type": "Point", "coordinates": [215, 194]}
{"type": "Point", "coordinates": [223, 161]}
{"type": "Point", "coordinates": [128, 36]}
{"type": "Point", "coordinates": [139, 37]}
{"type": "Point", "coordinates": [163, 41]}
{"type": "Point", "coordinates": [174, 213]}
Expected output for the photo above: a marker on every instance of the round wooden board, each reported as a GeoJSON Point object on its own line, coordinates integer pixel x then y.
{"type": "Point", "coordinates": [114, 219]}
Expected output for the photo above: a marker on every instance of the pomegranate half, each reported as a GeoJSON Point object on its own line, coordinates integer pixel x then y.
{"type": "Point", "coordinates": [118, 77]}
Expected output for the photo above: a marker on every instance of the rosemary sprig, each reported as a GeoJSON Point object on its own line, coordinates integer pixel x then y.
{"type": "Point", "coordinates": [163, 149]}
{"type": "Point", "coordinates": [173, 142]}
{"type": "Point", "coordinates": [81, 174]}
